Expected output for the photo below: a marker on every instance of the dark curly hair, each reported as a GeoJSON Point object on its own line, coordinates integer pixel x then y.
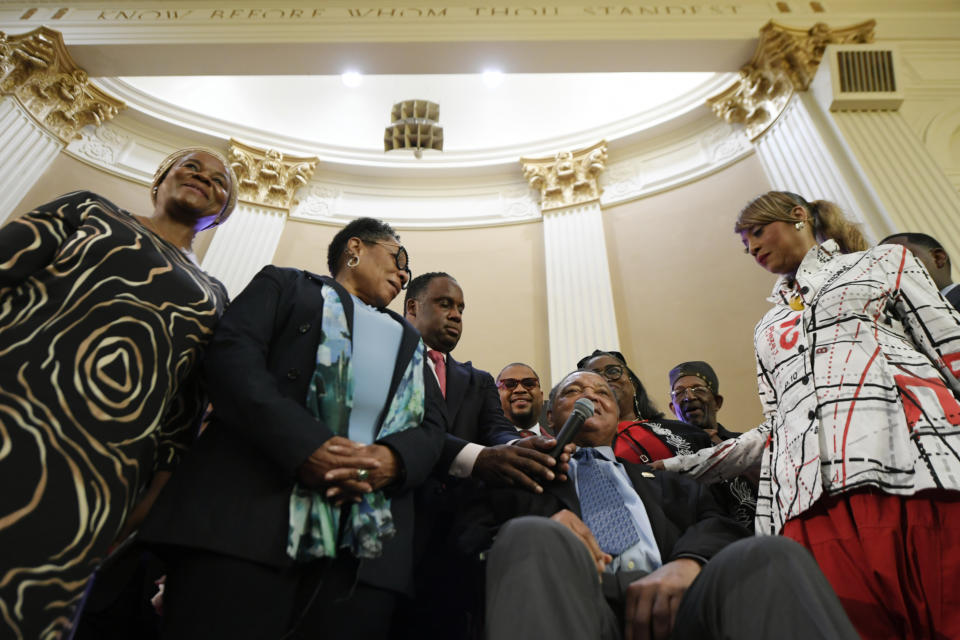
{"type": "Point", "coordinates": [369, 230]}
{"type": "Point", "coordinates": [642, 403]}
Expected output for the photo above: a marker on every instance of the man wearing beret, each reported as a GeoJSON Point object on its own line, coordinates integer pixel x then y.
{"type": "Point", "coordinates": [695, 398]}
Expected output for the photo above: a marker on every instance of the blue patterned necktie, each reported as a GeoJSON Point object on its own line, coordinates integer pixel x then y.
{"type": "Point", "coordinates": [602, 506]}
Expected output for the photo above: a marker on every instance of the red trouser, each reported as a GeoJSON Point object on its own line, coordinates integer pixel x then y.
{"type": "Point", "coordinates": [894, 561]}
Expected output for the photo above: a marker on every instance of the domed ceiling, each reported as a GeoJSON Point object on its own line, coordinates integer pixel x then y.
{"type": "Point", "coordinates": [485, 120]}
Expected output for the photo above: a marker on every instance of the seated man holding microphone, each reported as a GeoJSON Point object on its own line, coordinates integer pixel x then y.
{"type": "Point", "coordinates": [671, 564]}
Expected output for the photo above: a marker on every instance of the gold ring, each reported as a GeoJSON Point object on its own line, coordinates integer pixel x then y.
{"type": "Point", "coordinates": [362, 474]}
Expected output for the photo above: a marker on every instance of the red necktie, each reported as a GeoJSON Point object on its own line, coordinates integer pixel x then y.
{"type": "Point", "coordinates": [526, 433]}
{"type": "Point", "coordinates": [441, 368]}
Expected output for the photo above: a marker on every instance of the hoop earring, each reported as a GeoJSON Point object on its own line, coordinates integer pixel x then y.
{"type": "Point", "coordinates": [800, 225]}
{"type": "Point", "coordinates": [353, 261]}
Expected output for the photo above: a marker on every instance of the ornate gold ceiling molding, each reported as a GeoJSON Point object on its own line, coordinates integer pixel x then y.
{"type": "Point", "coordinates": [569, 177]}
{"type": "Point", "coordinates": [267, 177]}
{"type": "Point", "coordinates": [785, 61]}
{"type": "Point", "coordinates": [37, 70]}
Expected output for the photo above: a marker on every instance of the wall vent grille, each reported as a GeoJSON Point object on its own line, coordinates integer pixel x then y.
{"type": "Point", "coordinates": [862, 77]}
{"type": "Point", "coordinates": [866, 71]}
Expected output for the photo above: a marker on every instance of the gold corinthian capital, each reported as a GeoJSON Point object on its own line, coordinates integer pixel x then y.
{"type": "Point", "coordinates": [785, 61]}
{"type": "Point", "coordinates": [268, 177]}
{"type": "Point", "coordinates": [568, 178]}
{"type": "Point", "coordinates": [37, 70]}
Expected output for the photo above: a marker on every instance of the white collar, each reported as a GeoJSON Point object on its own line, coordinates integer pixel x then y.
{"type": "Point", "coordinates": [809, 274]}
{"type": "Point", "coordinates": [605, 451]}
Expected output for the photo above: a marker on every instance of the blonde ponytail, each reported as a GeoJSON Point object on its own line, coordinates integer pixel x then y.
{"type": "Point", "coordinates": [829, 222]}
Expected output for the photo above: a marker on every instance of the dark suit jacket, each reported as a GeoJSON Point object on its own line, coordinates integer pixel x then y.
{"type": "Point", "coordinates": [953, 297]}
{"type": "Point", "coordinates": [685, 518]}
{"type": "Point", "coordinates": [472, 413]}
{"type": "Point", "coordinates": [231, 492]}
{"type": "Point", "coordinates": [472, 410]}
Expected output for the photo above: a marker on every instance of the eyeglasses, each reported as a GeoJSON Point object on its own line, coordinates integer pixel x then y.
{"type": "Point", "coordinates": [699, 392]}
{"type": "Point", "coordinates": [611, 372]}
{"type": "Point", "coordinates": [511, 383]}
{"type": "Point", "coordinates": [401, 258]}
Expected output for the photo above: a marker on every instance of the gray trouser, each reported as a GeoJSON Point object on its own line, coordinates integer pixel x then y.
{"type": "Point", "coordinates": [542, 583]}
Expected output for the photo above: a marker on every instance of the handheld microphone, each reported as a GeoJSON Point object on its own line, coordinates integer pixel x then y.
{"type": "Point", "coordinates": [582, 409]}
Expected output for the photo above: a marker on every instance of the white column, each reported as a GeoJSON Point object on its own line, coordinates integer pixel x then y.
{"type": "Point", "coordinates": [800, 153]}
{"type": "Point", "coordinates": [243, 245]}
{"type": "Point", "coordinates": [26, 151]}
{"type": "Point", "coordinates": [916, 192]}
{"type": "Point", "coordinates": [580, 310]}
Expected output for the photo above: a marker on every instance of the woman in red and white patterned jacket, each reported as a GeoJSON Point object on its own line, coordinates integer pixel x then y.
{"type": "Point", "coordinates": [857, 365]}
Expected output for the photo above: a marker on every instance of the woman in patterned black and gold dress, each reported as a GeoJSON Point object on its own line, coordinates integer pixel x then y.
{"type": "Point", "coordinates": [103, 317]}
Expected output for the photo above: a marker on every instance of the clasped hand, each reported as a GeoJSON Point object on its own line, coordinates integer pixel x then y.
{"type": "Point", "coordinates": [522, 463]}
{"type": "Point", "coordinates": [337, 464]}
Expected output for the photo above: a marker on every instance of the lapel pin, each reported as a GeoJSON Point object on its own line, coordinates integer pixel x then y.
{"type": "Point", "coordinates": [647, 474]}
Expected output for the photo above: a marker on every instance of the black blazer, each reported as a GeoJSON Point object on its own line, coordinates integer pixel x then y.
{"type": "Point", "coordinates": [685, 518]}
{"type": "Point", "coordinates": [471, 410]}
{"type": "Point", "coordinates": [231, 492]}
{"type": "Point", "coordinates": [953, 297]}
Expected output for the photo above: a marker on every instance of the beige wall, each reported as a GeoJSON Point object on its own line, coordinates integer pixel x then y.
{"type": "Point", "coordinates": [684, 290]}
{"type": "Point", "coordinates": [501, 270]}
{"type": "Point", "coordinates": [68, 174]}
{"type": "Point", "coordinates": [682, 287]}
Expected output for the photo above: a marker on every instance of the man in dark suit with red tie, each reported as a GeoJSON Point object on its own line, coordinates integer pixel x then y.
{"type": "Point", "coordinates": [670, 562]}
{"type": "Point", "coordinates": [477, 430]}
{"type": "Point", "coordinates": [476, 449]}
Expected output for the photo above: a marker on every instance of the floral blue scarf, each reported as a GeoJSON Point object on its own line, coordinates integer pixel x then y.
{"type": "Point", "coordinates": [315, 523]}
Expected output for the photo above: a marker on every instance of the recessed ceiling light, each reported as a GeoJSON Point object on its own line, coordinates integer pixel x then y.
{"type": "Point", "coordinates": [352, 79]}
{"type": "Point", "coordinates": [493, 78]}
